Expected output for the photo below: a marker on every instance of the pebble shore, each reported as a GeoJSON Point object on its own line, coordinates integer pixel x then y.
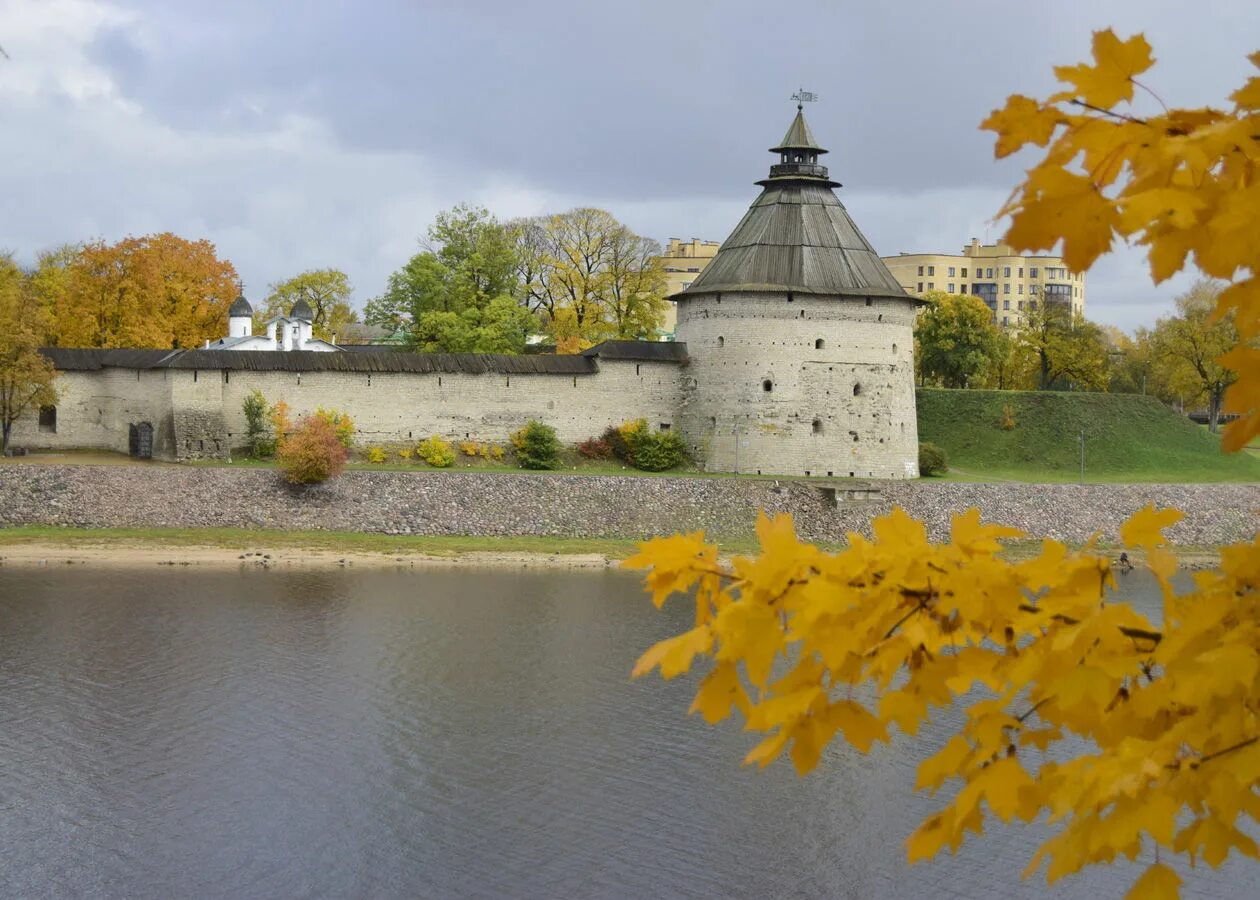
{"type": "Point", "coordinates": [474, 503]}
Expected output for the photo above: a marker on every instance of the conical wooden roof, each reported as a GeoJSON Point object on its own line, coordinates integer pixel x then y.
{"type": "Point", "coordinates": [797, 236]}
{"type": "Point", "coordinates": [798, 136]}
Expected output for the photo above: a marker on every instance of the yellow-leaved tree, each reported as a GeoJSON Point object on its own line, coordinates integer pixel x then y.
{"type": "Point", "coordinates": [1153, 732]}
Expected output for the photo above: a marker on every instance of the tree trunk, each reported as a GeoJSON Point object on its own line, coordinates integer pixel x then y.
{"type": "Point", "coordinates": [1214, 411]}
{"type": "Point", "coordinates": [5, 428]}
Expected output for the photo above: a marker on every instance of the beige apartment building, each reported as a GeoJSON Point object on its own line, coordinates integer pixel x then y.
{"type": "Point", "coordinates": [683, 261]}
{"type": "Point", "coordinates": [1010, 284]}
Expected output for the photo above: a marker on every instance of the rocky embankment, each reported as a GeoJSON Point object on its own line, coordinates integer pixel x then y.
{"type": "Point", "coordinates": [585, 506]}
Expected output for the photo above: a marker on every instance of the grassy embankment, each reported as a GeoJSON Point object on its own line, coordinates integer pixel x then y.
{"type": "Point", "coordinates": [248, 539]}
{"type": "Point", "coordinates": [1128, 438]}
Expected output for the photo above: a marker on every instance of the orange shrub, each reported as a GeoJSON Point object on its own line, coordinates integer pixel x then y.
{"type": "Point", "coordinates": [312, 452]}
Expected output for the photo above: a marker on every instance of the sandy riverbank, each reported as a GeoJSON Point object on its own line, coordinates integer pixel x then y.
{"type": "Point", "coordinates": [108, 556]}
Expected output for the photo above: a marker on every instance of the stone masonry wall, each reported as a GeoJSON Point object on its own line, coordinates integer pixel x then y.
{"type": "Point", "coordinates": [159, 495]}
{"type": "Point", "coordinates": [198, 414]}
{"type": "Point", "coordinates": [800, 384]}
{"type": "Point", "coordinates": [94, 410]}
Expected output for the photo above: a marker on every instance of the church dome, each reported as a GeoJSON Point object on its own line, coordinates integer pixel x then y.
{"type": "Point", "coordinates": [302, 310]}
{"type": "Point", "coordinates": [240, 307]}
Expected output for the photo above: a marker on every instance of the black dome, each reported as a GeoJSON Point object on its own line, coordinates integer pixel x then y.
{"type": "Point", "coordinates": [302, 310]}
{"type": "Point", "coordinates": [240, 307]}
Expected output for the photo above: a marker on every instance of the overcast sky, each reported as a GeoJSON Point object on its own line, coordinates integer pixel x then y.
{"type": "Point", "coordinates": [315, 134]}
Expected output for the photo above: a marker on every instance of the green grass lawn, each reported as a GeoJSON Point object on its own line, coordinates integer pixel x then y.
{"type": "Point", "coordinates": [1128, 438]}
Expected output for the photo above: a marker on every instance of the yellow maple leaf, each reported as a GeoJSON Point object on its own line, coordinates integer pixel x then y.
{"type": "Point", "coordinates": [1110, 79]}
{"type": "Point", "coordinates": [928, 839]}
{"type": "Point", "coordinates": [674, 655]}
{"type": "Point", "coordinates": [860, 728]}
{"type": "Point", "coordinates": [1159, 882]}
{"type": "Point", "coordinates": [1173, 206]}
{"type": "Point", "coordinates": [1022, 121]}
{"type": "Point", "coordinates": [1064, 206]}
{"type": "Point", "coordinates": [719, 692]}
{"type": "Point", "coordinates": [1144, 528]}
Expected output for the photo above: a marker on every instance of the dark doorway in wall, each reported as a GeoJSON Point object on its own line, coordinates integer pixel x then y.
{"type": "Point", "coordinates": [140, 440]}
{"type": "Point", "coordinates": [48, 419]}
{"type": "Point", "coordinates": [767, 385]}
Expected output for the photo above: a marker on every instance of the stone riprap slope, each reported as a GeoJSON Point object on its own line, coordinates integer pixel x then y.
{"type": "Point", "coordinates": [582, 505]}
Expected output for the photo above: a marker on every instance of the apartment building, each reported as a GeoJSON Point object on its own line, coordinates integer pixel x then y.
{"type": "Point", "coordinates": [683, 261]}
{"type": "Point", "coordinates": [1010, 284]}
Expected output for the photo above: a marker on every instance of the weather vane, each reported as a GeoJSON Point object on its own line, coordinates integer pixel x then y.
{"type": "Point", "coordinates": [804, 96]}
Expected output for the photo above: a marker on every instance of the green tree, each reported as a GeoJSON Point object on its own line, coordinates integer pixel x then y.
{"type": "Point", "coordinates": [956, 339]}
{"type": "Point", "coordinates": [1191, 344]}
{"type": "Point", "coordinates": [1069, 351]}
{"type": "Point", "coordinates": [457, 295]}
{"type": "Point", "coordinates": [26, 375]}
{"type": "Point", "coordinates": [328, 293]}
{"type": "Point", "coordinates": [589, 277]}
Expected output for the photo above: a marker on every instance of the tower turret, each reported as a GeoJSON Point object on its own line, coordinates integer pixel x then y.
{"type": "Point", "coordinates": [799, 337]}
{"type": "Point", "coordinates": [240, 318]}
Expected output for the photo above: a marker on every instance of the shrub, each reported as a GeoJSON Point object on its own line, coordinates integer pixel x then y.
{"type": "Point", "coordinates": [437, 452]}
{"type": "Point", "coordinates": [932, 459]}
{"type": "Point", "coordinates": [656, 451]}
{"type": "Point", "coordinates": [497, 453]}
{"type": "Point", "coordinates": [469, 448]}
{"type": "Point", "coordinates": [1008, 417]}
{"type": "Point", "coordinates": [281, 424]}
{"type": "Point", "coordinates": [377, 455]}
{"type": "Point", "coordinates": [312, 452]}
{"type": "Point", "coordinates": [341, 423]}
{"type": "Point", "coordinates": [255, 408]}
{"type": "Point", "coordinates": [595, 448]}
{"type": "Point", "coordinates": [622, 438]}
{"type": "Point", "coordinates": [537, 446]}
{"type": "Point", "coordinates": [406, 453]}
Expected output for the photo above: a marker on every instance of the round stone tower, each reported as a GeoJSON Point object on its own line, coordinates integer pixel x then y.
{"type": "Point", "coordinates": [799, 338]}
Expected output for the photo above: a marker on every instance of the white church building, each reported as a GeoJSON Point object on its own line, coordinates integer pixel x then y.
{"type": "Point", "coordinates": [291, 332]}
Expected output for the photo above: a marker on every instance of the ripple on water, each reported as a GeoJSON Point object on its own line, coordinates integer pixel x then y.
{"type": "Point", "coordinates": [423, 734]}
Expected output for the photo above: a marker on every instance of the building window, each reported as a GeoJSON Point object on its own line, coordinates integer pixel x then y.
{"type": "Point", "coordinates": [1032, 272]}
{"type": "Point", "coordinates": [48, 419]}
{"type": "Point", "coordinates": [721, 341]}
{"type": "Point", "coordinates": [857, 389]}
{"type": "Point", "coordinates": [818, 426]}
{"type": "Point", "coordinates": [1006, 304]}
{"type": "Point", "coordinates": [1006, 320]}
{"type": "Point", "coordinates": [1019, 289]}
{"type": "Point", "coordinates": [920, 270]}
{"type": "Point", "coordinates": [1033, 289]}
{"type": "Point", "coordinates": [1032, 304]}
{"type": "Point", "coordinates": [931, 286]}
{"type": "Point", "coordinates": [1021, 304]}
{"type": "Point", "coordinates": [964, 272]}
{"type": "Point", "coordinates": [1006, 271]}
{"type": "Point", "coordinates": [819, 344]}
{"type": "Point", "coordinates": [951, 287]}
{"type": "Point", "coordinates": [665, 426]}
{"type": "Point", "coordinates": [988, 273]}
{"type": "Point", "coordinates": [1006, 288]}
{"type": "Point", "coordinates": [951, 271]}
{"type": "Point", "coordinates": [1021, 271]}
{"type": "Point", "coordinates": [987, 293]}
{"type": "Point", "coordinates": [1050, 274]}
{"type": "Point", "coordinates": [767, 385]}
{"type": "Point", "coordinates": [920, 287]}
{"type": "Point", "coordinates": [931, 270]}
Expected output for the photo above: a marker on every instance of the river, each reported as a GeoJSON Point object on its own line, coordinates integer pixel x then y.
{"type": "Point", "coordinates": [455, 733]}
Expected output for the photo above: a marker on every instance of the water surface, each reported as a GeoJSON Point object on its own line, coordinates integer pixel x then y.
{"type": "Point", "coordinates": [424, 734]}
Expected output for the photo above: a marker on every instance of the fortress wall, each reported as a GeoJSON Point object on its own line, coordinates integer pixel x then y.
{"type": "Point", "coordinates": [95, 408]}
{"type": "Point", "coordinates": [485, 407]}
{"type": "Point", "coordinates": [811, 421]}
